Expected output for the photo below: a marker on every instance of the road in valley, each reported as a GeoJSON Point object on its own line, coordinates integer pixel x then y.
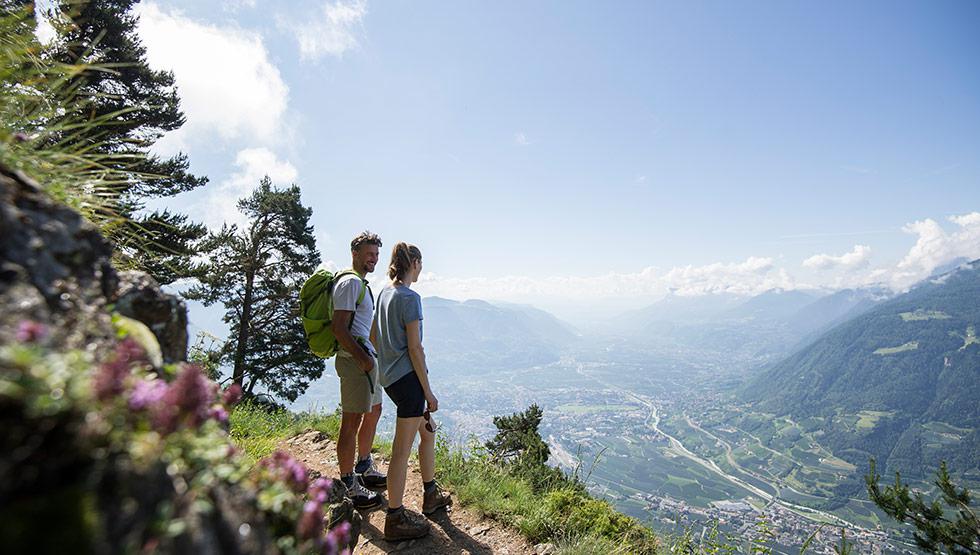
{"type": "Point", "coordinates": [653, 420]}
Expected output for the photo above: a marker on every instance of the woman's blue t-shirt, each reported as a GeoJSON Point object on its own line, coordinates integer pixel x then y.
{"type": "Point", "coordinates": [397, 306]}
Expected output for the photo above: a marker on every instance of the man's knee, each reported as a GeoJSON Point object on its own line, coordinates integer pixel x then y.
{"type": "Point", "coordinates": [349, 422]}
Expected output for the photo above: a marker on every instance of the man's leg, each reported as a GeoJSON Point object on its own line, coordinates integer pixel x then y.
{"type": "Point", "coordinates": [355, 401]}
{"type": "Point", "coordinates": [365, 435]}
{"type": "Point", "coordinates": [349, 423]}
{"type": "Point", "coordinates": [369, 474]}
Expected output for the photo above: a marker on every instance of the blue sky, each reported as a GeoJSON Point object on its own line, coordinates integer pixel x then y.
{"type": "Point", "coordinates": [548, 151]}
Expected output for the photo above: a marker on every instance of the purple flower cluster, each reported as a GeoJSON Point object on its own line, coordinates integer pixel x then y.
{"type": "Point", "coordinates": [147, 394]}
{"type": "Point", "coordinates": [310, 525]}
{"type": "Point", "coordinates": [110, 380]}
{"type": "Point", "coordinates": [188, 401]}
{"type": "Point", "coordinates": [232, 395]}
{"type": "Point", "coordinates": [285, 468]}
{"type": "Point", "coordinates": [336, 540]}
{"type": "Point", "coordinates": [31, 332]}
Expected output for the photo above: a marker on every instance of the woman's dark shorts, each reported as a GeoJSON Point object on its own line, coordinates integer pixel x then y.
{"type": "Point", "coordinates": [408, 396]}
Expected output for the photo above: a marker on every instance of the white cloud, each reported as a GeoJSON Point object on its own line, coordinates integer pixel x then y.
{"type": "Point", "coordinates": [752, 276]}
{"type": "Point", "coordinates": [235, 5]}
{"type": "Point", "coordinates": [221, 205]}
{"type": "Point", "coordinates": [228, 86]}
{"type": "Point", "coordinates": [857, 258]}
{"type": "Point", "coordinates": [935, 247]}
{"type": "Point", "coordinates": [331, 32]}
{"type": "Point", "coordinates": [521, 139]}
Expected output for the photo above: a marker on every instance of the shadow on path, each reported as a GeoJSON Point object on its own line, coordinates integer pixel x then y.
{"type": "Point", "coordinates": [455, 541]}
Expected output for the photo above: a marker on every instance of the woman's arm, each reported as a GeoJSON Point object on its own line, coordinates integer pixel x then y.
{"type": "Point", "coordinates": [417, 355]}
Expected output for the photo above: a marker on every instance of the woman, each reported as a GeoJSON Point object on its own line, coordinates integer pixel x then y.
{"type": "Point", "coordinates": [397, 332]}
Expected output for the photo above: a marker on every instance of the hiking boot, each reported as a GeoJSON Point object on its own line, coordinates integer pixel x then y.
{"type": "Point", "coordinates": [371, 476]}
{"type": "Point", "coordinates": [434, 499]}
{"type": "Point", "coordinates": [404, 525]}
{"type": "Point", "coordinates": [362, 498]}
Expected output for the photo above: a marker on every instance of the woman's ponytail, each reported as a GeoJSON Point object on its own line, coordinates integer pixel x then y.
{"type": "Point", "coordinates": [402, 257]}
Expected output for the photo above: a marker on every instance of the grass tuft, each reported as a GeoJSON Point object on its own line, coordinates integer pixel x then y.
{"type": "Point", "coordinates": [256, 430]}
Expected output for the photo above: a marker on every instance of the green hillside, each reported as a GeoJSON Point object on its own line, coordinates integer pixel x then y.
{"type": "Point", "coordinates": [913, 362]}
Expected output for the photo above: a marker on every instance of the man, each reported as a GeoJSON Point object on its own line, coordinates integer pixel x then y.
{"type": "Point", "coordinates": [360, 393]}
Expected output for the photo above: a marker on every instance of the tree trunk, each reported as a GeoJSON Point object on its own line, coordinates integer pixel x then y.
{"type": "Point", "coordinates": [238, 373]}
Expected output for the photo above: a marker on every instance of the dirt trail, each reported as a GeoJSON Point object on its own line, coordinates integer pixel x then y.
{"type": "Point", "coordinates": [456, 532]}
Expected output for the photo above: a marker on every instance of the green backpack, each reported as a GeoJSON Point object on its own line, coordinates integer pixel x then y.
{"type": "Point", "coordinates": [316, 309]}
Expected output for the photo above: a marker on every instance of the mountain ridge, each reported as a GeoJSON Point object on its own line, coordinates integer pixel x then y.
{"type": "Point", "coordinates": [914, 360]}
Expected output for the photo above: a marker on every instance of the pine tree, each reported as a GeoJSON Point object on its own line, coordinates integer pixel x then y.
{"type": "Point", "coordinates": [142, 105]}
{"type": "Point", "coordinates": [256, 272]}
{"type": "Point", "coordinates": [955, 528]}
{"type": "Point", "coordinates": [519, 447]}
{"type": "Point", "coordinates": [518, 439]}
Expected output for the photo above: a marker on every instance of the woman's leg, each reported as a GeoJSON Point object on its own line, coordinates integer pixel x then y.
{"type": "Point", "coordinates": [401, 448]}
{"type": "Point", "coordinates": [427, 452]}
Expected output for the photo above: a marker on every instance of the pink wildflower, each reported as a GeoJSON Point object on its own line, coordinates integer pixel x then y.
{"type": "Point", "coordinates": [322, 490]}
{"type": "Point", "coordinates": [111, 376]}
{"type": "Point", "coordinates": [310, 523]}
{"type": "Point", "coordinates": [147, 394]}
{"type": "Point", "coordinates": [191, 394]}
{"type": "Point", "coordinates": [232, 395]}
{"type": "Point", "coordinates": [219, 413]}
{"type": "Point", "coordinates": [287, 469]}
{"type": "Point", "coordinates": [338, 537]}
{"type": "Point", "coordinates": [31, 332]}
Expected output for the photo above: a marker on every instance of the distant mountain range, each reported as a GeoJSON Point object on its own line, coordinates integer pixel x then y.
{"type": "Point", "coordinates": [760, 328]}
{"type": "Point", "coordinates": [477, 336]}
{"type": "Point", "coordinates": [900, 381]}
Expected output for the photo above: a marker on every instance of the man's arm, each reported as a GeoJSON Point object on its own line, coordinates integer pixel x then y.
{"type": "Point", "coordinates": [374, 335]}
{"type": "Point", "coordinates": [341, 330]}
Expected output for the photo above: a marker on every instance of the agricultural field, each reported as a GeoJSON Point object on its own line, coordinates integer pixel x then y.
{"type": "Point", "coordinates": [924, 315]}
{"type": "Point", "coordinates": [910, 346]}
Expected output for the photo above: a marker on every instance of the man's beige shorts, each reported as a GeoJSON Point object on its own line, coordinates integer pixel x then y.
{"type": "Point", "coordinates": [355, 389]}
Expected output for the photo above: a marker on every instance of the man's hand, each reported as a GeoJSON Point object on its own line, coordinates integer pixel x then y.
{"type": "Point", "coordinates": [432, 404]}
{"type": "Point", "coordinates": [366, 362]}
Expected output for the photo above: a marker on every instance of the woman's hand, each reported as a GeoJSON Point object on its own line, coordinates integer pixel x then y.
{"type": "Point", "coordinates": [432, 404]}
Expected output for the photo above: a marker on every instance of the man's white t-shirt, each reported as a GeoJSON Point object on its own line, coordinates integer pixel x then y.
{"type": "Point", "coordinates": [345, 293]}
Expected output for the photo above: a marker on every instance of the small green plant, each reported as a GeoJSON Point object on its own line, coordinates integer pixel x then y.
{"type": "Point", "coordinates": [955, 528]}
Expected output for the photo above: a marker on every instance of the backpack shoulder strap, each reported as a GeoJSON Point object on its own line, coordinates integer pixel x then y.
{"type": "Point", "coordinates": [364, 285]}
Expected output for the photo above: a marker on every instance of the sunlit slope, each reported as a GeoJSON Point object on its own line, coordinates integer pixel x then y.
{"type": "Point", "coordinates": [913, 362]}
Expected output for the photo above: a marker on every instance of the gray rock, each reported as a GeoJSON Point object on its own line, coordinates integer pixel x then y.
{"type": "Point", "coordinates": [139, 297]}
{"type": "Point", "coordinates": [55, 267]}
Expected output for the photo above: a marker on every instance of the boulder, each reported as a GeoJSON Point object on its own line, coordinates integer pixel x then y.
{"type": "Point", "coordinates": [55, 268]}
{"type": "Point", "coordinates": [139, 297]}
